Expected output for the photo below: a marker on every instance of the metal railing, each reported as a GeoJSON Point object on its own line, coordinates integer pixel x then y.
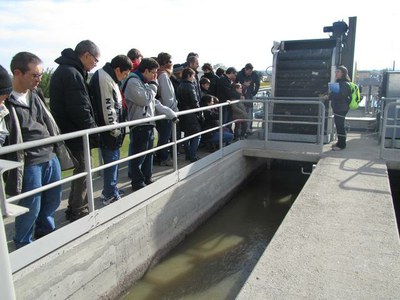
{"type": "Point", "coordinates": [26, 255]}
{"type": "Point", "coordinates": [390, 133]}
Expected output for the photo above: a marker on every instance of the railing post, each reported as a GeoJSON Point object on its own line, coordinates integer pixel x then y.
{"type": "Point", "coordinates": [174, 147]}
{"type": "Point", "coordinates": [221, 127]}
{"type": "Point", "coordinates": [266, 118]}
{"type": "Point", "coordinates": [6, 279]}
{"type": "Point", "coordinates": [88, 168]}
{"type": "Point", "coordinates": [322, 120]}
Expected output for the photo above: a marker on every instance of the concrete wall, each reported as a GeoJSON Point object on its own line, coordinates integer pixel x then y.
{"type": "Point", "coordinates": [105, 262]}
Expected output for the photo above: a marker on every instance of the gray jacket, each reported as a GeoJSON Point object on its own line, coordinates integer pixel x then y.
{"type": "Point", "coordinates": [14, 181]}
{"type": "Point", "coordinates": [141, 101]}
{"type": "Point", "coordinates": [166, 91]}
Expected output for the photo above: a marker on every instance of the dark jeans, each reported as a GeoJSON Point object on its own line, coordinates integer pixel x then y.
{"type": "Point", "coordinates": [164, 128]}
{"type": "Point", "coordinates": [141, 139]}
{"type": "Point", "coordinates": [191, 148]}
{"type": "Point", "coordinates": [227, 136]}
{"type": "Point", "coordinates": [77, 201]}
{"type": "Point", "coordinates": [227, 116]}
{"type": "Point", "coordinates": [340, 128]}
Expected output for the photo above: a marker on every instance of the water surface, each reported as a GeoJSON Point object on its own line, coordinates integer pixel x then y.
{"type": "Point", "coordinates": [215, 260]}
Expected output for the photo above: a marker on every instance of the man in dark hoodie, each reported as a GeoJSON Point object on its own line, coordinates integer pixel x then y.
{"type": "Point", "coordinates": [248, 73]}
{"type": "Point", "coordinates": [71, 107]}
{"type": "Point", "coordinates": [107, 104]}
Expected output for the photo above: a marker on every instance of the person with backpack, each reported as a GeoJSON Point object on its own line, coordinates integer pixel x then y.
{"type": "Point", "coordinates": [140, 95]}
{"type": "Point", "coordinates": [107, 106]}
{"type": "Point", "coordinates": [340, 100]}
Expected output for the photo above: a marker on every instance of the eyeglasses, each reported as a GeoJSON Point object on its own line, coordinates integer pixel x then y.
{"type": "Point", "coordinates": [37, 76]}
{"type": "Point", "coordinates": [95, 58]}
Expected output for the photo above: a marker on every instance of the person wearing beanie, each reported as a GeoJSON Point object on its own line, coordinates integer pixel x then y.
{"type": "Point", "coordinates": [5, 91]}
{"type": "Point", "coordinates": [340, 105]}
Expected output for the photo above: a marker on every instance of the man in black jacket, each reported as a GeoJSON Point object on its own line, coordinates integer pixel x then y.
{"type": "Point", "coordinates": [225, 93]}
{"type": "Point", "coordinates": [248, 73]}
{"type": "Point", "coordinates": [71, 107]}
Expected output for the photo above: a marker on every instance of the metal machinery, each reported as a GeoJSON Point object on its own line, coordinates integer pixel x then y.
{"type": "Point", "coordinates": [302, 69]}
{"type": "Point", "coordinates": [390, 92]}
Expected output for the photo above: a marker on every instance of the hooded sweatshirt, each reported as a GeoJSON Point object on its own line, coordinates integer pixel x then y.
{"type": "Point", "coordinates": [69, 97]}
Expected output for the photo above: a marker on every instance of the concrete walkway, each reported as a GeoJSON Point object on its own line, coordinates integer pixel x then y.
{"type": "Point", "coordinates": [340, 239]}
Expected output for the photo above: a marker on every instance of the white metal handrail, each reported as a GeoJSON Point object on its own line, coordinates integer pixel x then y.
{"type": "Point", "coordinates": [391, 150]}
{"type": "Point", "coordinates": [24, 256]}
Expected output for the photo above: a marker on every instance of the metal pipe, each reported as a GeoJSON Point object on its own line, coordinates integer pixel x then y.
{"type": "Point", "coordinates": [6, 279]}
{"type": "Point", "coordinates": [88, 170]}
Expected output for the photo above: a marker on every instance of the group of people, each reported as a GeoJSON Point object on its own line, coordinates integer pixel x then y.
{"type": "Point", "coordinates": [127, 88]}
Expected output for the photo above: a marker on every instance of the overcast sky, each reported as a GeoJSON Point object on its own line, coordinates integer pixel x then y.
{"type": "Point", "coordinates": [221, 31]}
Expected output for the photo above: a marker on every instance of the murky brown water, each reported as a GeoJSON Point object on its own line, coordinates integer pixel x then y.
{"type": "Point", "coordinates": [215, 260]}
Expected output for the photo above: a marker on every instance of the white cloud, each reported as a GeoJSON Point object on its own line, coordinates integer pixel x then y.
{"type": "Point", "coordinates": [220, 31]}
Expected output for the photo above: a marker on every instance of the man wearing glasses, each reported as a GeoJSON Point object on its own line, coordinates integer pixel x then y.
{"type": "Point", "coordinates": [29, 120]}
{"type": "Point", "coordinates": [72, 109]}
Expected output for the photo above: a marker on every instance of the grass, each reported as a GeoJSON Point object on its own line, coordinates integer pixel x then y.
{"type": "Point", "coordinates": [95, 155]}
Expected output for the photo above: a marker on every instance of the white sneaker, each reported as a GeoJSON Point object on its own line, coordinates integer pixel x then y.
{"type": "Point", "coordinates": [107, 201]}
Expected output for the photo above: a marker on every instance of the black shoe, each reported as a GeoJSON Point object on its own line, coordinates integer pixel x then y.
{"type": "Point", "coordinates": [136, 187]}
{"type": "Point", "coordinates": [148, 181]}
{"type": "Point", "coordinates": [39, 235]}
{"type": "Point", "coordinates": [71, 216]}
{"type": "Point", "coordinates": [194, 159]}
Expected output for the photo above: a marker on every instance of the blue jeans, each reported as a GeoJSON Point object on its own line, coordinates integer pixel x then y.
{"type": "Point", "coordinates": [191, 148]}
{"type": "Point", "coordinates": [141, 139]}
{"type": "Point", "coordinates": [227, 136]}
{"type": "Point", "coordinates": [42, 206]}
{"type": "Point", "coordinates": [110, 175]}
{"type": "Point", "coordinates": [164, 128]}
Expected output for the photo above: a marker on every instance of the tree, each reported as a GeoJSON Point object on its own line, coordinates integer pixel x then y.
{"type": "Point", "coordinates": [45, 82]}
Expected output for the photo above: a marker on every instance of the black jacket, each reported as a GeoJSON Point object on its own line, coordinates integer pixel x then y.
{"type": "Point", "coordinates": [252, 90]}
{"type": "Point", "coordinates": [340, 101]}
{"type": "Point", "coordinates": [69, 97]}
{"type": "Point", "coordinates": [224, 89]}
{"type": "Point", "coordinates": [212, 90]}
{"type": "Point", "coordinates": [188, 99]}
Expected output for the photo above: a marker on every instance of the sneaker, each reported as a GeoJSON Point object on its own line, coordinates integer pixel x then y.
{"type": "Point", "coordinates": [70, 216]}
{"type": "Point", "coordinates": [148, 181]}
{"type": "Point", "coordinates": [107, 201]}
{"type": "Point", "coordinates": [136, 187]}
{"type": "Point", "coordinates": [166, 163]}
{"type": "Point", "coordinates": [336, 148]}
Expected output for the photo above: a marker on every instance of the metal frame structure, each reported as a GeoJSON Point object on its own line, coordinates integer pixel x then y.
{"type": "Point", "coordinates": [390, 143]}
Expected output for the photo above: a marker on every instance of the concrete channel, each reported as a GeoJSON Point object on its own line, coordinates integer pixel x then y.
{"type": "Point", "coordinates": [339, 239]}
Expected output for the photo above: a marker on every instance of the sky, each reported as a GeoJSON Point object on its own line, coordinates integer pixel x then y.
{"type": "Point", "coordinates": [225, 32]}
